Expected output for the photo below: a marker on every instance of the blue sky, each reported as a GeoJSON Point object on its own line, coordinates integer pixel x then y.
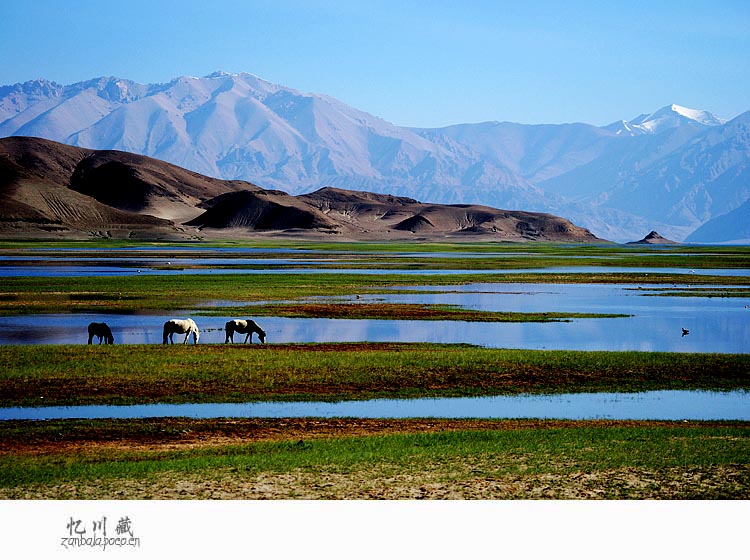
{"type": "Point", "coordinates": [413, 63]}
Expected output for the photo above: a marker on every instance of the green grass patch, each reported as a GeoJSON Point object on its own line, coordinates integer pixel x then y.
{"type": "Point", "coordinates": [708, 292]}
{"type": "Point", "coordinates": [448, 457]}
{"type": "Point", "coordinates": [399, 311]}
{"type": "Point", "coordinates": [389, 256]}
{"type": "Point", "coordinates": [125, 374]}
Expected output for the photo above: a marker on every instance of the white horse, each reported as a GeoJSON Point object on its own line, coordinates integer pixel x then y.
{"type": "Point", "coordinates": [181, 326]}
{"type": "Point", "coordinates": [247, 327]}
{"type": "Point", "coordinates": [102, 331]}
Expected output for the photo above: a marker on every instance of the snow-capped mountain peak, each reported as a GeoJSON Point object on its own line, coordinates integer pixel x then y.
{"type": "Point", "coordinates": [703, 117]}
{"type": "Point", "coordinates": [219, 74]}
{"type": "Point", "coordinates": [666, 118]}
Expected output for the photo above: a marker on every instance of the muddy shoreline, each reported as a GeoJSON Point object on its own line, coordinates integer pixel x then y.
{"type": "Point", "coordinates": [62, 436]}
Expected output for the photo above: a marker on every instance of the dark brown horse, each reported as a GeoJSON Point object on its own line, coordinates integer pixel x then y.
{"type": "Point", "coordinates": [102, 331]}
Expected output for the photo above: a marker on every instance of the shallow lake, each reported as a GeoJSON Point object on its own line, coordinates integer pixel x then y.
{"type": "Point", "coordinates": [67, 267]}
{"type": "Point", "coordinates": [715, 324]}
{"type": "Point", "coordinates": [87, 262]}
{"type": "Point", "coordinates": [652, 405]}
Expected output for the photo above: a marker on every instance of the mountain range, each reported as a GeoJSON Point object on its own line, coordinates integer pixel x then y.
{"type": "Point", "coordinates": [48, 189]}
{"type": "Point", "coordinates": [672, 170]}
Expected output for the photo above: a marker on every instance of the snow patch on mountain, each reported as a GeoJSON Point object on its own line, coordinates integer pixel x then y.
{"type": "Point", "coordinates": [666, 118]}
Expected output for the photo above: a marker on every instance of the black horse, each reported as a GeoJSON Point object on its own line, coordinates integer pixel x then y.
{"type": "Point", "coordinates": [102, 331]}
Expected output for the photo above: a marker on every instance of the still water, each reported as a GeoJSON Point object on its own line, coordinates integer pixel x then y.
{"type": "Point", "coordinates": [655, 323]}
{"type": "Point", "coordinates": [138, 261]}
{"type": "Point", "coordinates": [652, 405]}
{"type": "Point", "coordinates": [101, 267]}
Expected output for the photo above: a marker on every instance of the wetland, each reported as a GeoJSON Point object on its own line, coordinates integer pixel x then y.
{"type": "Point", "coordinates": [370, 324]}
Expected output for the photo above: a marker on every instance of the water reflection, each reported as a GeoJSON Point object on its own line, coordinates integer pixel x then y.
{"type": "Point", "coordinates": [716, 324]}
{"type": "Point", "coordinates": [652, 405]}
{"type": "Point", "coordinates": [267, 261]}
{"type": "Point", "coordinates": [100, 267]}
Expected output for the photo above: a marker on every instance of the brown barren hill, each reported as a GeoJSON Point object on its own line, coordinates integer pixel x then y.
{"type": "Point", "coordinates": [654, 238]}
{"type": "Point", "coordinates": [49, 190]}
{"type": "Point", "coordinates": [261, 211]}
{"type": "Point", "coordinates": [369, 215]}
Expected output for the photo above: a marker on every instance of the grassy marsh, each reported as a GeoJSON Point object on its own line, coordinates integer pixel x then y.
{"type": "Point", "coordinates": [128, 374]}
{"type": "Point", "coordinates": [487, 460]}
{"type": "Point", "coordinates": [387, 255]}
{"type": "Point", "coordinates": [126, 294]}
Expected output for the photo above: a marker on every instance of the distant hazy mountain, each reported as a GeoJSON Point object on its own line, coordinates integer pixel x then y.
{"type": "Point", "coordinates": [680, 177]}
{"type": "Point", "coordinates": [671, 170]}
{"type": "Point", "coordinates": [242, 127]}
{"type": "Point", "coordinates": [733, 226]}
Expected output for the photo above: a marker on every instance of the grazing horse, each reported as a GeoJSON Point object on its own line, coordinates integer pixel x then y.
{"type": "Point", "coordinates": [181, 326]}
{"type": "Point", "coordinates": [242, 326]}
{"type": "Point", "coordinates": [102, 331]}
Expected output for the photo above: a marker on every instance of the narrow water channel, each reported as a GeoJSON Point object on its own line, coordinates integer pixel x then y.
{"type": "Point", "coordinates": [651, 405]}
